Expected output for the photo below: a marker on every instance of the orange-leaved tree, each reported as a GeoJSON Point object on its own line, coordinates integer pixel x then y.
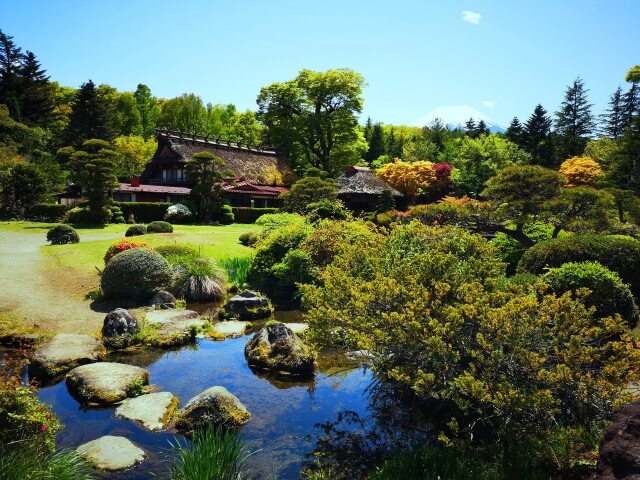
{"type": "Point", "coordinates": [581, 171]}
{"type": "Point", "coordinates": [409, 178]}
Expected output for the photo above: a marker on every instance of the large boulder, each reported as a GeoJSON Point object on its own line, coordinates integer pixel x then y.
{"type": "Point", "coordinates": [111, 453]}
{"type": "Point", "coordinates": [620, 447]}
{"type": "Point", "coordinates": [154, 410]}
{"type": "Point", "coordinates": [248, 305]}
{"type": "Point", "coordinates": [106, 382]}
{"type": "Point", "coordinates": [163, 300]}
{"type": "Point", "coordinates": [276, 348]}
{"type": "Point", "coordinates": [64, 352]}
{"type": "Point", "coordinates": [119, 327]}
{"type": "Point", "coordinates": [215, 406]}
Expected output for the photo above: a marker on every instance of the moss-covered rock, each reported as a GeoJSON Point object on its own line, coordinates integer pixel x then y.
{"type": "Point", "coordinates": [248, 305]}
{"type": "Point", "coordinates": [64, 352]}
{"type": "Point", "coordinates": [215, 406]}
{"type": "Point", "coordinates": [105, 383]}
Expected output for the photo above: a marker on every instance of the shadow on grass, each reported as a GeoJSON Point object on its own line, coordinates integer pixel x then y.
{"type": "Point", "coordinates": [103, 305]}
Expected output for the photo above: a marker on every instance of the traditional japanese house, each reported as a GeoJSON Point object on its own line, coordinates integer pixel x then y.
{"type": "Point", "coordinates": [360, 189]}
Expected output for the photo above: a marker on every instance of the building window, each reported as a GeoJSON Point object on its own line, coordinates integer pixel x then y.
{"type": "Point", "coordinates": [122, 197]}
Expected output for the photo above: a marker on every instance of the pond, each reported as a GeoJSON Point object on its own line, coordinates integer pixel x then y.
{"type": "Point", "coordinates": [285, 413]}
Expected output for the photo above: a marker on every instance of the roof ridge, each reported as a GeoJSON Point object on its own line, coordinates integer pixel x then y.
{"type": "Point", "coordinates": [215, 141]}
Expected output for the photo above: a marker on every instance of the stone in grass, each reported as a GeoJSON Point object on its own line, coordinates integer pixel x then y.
{"type": "Point", "coordinates": [276, 348]}
{"type": "Point", "coordinates": [106, 382]}
{"type": "Point", "coordinates": [164, 300]}
{"type": "Point", "coordinates": [248, 305]}
{"type": "Point", "coordinates": [119, 328]}
{"type": "Point", "coordinates": [153, 410]}
{"type": "Point", "coordinates": [64, 352]}
{"type": "Point", "coordinates": [215, 406]}
{"type": "Point", "coordinates": [111, 453]}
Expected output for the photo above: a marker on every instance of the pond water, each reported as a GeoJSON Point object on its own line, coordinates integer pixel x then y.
{"type": "Point", "coordinates": [285, 413]}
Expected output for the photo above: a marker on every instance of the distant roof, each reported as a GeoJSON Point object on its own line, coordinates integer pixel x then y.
{"type": "Point", "coordinates": [362, 180]}
{"type": "Point", "coordinates": [126, 187]}
{"type": "Point", "coordinates": [248, 188]}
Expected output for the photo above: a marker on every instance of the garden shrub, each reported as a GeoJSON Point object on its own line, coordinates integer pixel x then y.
{"type": "Point", "coordinates": [178, 213]}
{"type": "Point", "coordinates": [135, 230]}
{"type": "Point", "coordinates": [327, 209]}
{"type": "Point", "coordinates": [237, 269]}
{"type": "Point", "coordinates": [296, 267]}
{"type": "Point", "coordinates": [116, 214]}
{"type": "Point", "coordinates": [197, 279]}
{"type": "Point", "coordinates": [144, 212]}
{"type": "Point", "coordinates": [616, 252]}
{"type": "Point", "coordinates": [249, 239]}
{"type": "Point", "coordinates": [174, 250]}
{"type": "Point", "coordinates": [608, 294]}
{"type": "Point", "coordinates": [224, 215]}
{"type": "Point", "coordinates": [48, 212]}
{"type": "Point", "coordinates": [250, 215]}
{"type": "Point", "coordinates": [159, 227]}
{"type": "Point", "coordinates": [62, 234]}
{"type": "Point", "coordinates": [124, 245]}
{"type": "Point", "coordinates": [84, 216]}
{"type": "Point", "coordinates": [511, 251]}
{"type": "Point", "coordinates": [272, 221]}
{"type": "Point", "coordinates": [135, 274]}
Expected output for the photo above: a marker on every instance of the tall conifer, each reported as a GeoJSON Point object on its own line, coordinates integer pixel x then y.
{"type": "Point", "coordinates": [574, 121]}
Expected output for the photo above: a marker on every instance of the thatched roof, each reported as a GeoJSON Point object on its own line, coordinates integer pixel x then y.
{"type": "Point", "coordinates": [361, 180]}
{"type": "Point", "coordinates": [248, 161]}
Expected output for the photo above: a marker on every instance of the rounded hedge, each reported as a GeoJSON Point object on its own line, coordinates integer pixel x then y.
{"type": "Point", "coordinates": [135, 274]}
{"type": "Point", "coordinates": [62, 234]}
{"type": "Point", "coordinates": [618, 253]}
{"type": "Point", "coordinates": [159, 227]}
{"type": "Point", "coordinates": [135, 230]}
{"type": "Point", "coordinates": [609, 295]}
{"type": "Point", "coordinates": [249, 239]}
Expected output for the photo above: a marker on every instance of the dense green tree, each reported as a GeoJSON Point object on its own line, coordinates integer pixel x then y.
{"type": "Point", "coordinates": [25, 186]}
{"type": "Point", "coordinates": [613, 120]}
{"type": "Point", "coordinates": [11, 58]}
{"type": "Point", "coordinates": [515, 133]}
{"type": "Point", "coordinates": [394, 145]}
{"type": "Point", "coordinates": [386, 201]}
{"type": "Point", "coordinates": [132, 153]}
{"type": "Point", "coordinates": [574, 121]}
{"type": "Point", "coordinates": [206, 170]}
{"type": "Point", "coordinates": [470, 128]}
{"type": "Point", "coordinates": [148, 110]}
{"type": "Point", "coordinates": [186, 113]}
{"type": "Point", "coordinates": [368, 128]}
{"type": "Point", "coordinates": [420, 149]}
{"type": "Point", "coordinates": [537, 138]}
{"type": "Point", "coordinates": [376, 144]}
{"type": "Point", "coordinates": [315, 186]}
{"type": "Point", "coordinates": [125, 117]}
{"type": "Point", "coordinates": [437, 134]}
{"type": "Point", "coordinates": [631, 99]}
{"type": "Point", "coordinates": [482, 129]}
{"type": "Point", "coordinates": [90, 117]}
{"type": "Point", "coordinates": [312, 118]}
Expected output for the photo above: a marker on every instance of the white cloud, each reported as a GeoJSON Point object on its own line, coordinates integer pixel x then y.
{"type": "Point", "coordinates": [452, 115]}
{"type": "Point", "coordinates": [489, 103]}
{"type": "Point", "coordinates": [471, 17]}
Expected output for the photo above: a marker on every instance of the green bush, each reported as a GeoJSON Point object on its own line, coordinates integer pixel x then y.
{"type": "Point", "coordinates": [135, 274]}
{"type": "Point", "coordinates": [616, 252]}
{"type": "Point", "coordinates": [48, 212]}
{"type": "Point", "coordinates": [249, 239]}
{"type": "Point", "coordinates": [250, 215]}
{"type": "Point", "coordinates": [116, 214]}
{"type": "Point", "coordinates": [271, 221]}
{"type": "Point", "coordinates": [197, 279]}
{"type": "Point", "coordinates": [144, 212]}
{"type": "Point", "coordinates": [608, 294]}
{"type": "Point", "coordinates": [225, 215]}
{"type": "Point", "coordinates": [174, 250]}
{"type": "Point", "coordinates": [327, 209]}
{"type": "Point", "coordinates": [178, 214]}
{"type": "Point", "coordinates": [62, 234]}
{"type": "Point", "coordinates": [135, 230]}
{"type": "Point", "coordinates": [84, 216]}
{"type": "Point", "coordinates": [159, 226]}
{"type": "Point", "coordinates": [511, 251]}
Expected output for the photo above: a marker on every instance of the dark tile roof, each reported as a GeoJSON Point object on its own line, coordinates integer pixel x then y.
{"type": "Point", "coordinates": [247, 188]}
{"type": "Point", "coordinates": [361, 180]}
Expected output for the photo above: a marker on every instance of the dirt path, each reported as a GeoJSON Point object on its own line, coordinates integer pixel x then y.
{"type": "Point", "coordinates": [35, 294]}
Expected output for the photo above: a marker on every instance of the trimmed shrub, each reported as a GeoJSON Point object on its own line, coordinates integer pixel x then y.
{"type": "Point", "coordinates": [272, 221]}
{"type": "Point", "coordinates": [136, 274]}
{"type": "Point", "coordinates": [616, 252]}
{"type": "Point", "coordinates": [62, 234]}
{"type": "Point", "coordinates": [175, 250]}
{"type": "Point", "coordinates": [122, 246]}
{"type": "Point", "coordinates": [48, 212]}
{"type": "Point", "coordinates": [608, 294]}
{"type": "Point", "coordinates": [511, 251]}
{"type": "Point", "coordinates": [332, 209]}
{"type": "Point", "coordinates": [84, 216]}
{"type": "Point", "coordinates": [249, 239]}
{"type": "Point", "coordinates": [116, 214]}
{"type": "Point", "coordinates": [250, 215]}
{"type": "Point", "coordinates": [178, 213]}
{"type": "Point", "coordinates": [225, 215]}
{"type": "Point", "coordinates": [144, 212]}
{"type": "Point", "coordinates": [135, 230]}
{"type": "Point", "coordinates": [159, 227]}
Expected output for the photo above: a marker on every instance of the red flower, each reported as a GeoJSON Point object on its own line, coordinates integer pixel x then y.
{"type": "Point", "coordinates": [43, 427]}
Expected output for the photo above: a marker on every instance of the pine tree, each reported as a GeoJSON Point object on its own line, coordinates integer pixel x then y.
{"type": "Point", "coordinates": [537, 138]}
{"type": "Point", "coordinates": [470, 127]}
{"type": "Point", "coordinates": [386, 201]}
{"type": "Point", "coordinates": [89, 116]}
{"type": "Point", "coordinates": [37, 100]}
{"type": "Point", "coordinates": [376, 144]}
{"type": "Point", "coordinates": [481, 129]}
{"type": "Point", "coordinates": [394, 146]}
{"type": "Point", "coordinates": [367, 129]}
{"type": "Point", "coordinates": [515, 132]}
{"type": "Point", "coordinates": [630, 105]}
{"type": "Point", "coordinates": [574, 121]}
{"type": "Point", "coordinates": [11, 59]}
{"type": "Point", "coordinates": [148, 109]}
{"type": "Point", "coordinates": [613, 120]}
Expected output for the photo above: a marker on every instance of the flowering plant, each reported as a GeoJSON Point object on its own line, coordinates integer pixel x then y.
{"type": "Point", "coordinates": [123, 245]}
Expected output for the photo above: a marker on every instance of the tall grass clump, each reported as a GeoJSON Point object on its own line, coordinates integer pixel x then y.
{"type": "Point", "coordinates": [237, 269]}
{"type": "Point", "coordinates": [34, 464]}
{"type": "Point", "coordinates": [196, 278]}
{"type": "Point", "coordinates": [214, 454]}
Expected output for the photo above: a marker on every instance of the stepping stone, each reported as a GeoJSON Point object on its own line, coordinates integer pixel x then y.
{"type": "Point", "coordinates": [175, 326]}
{"type": "Point", "coordinates": [215, 406]}
{"type": "Point", "coordinates": [64, 352]}
{"type": "Point", "coordinates": [298, 328]}
{"type": "Point", "coordinates": [106, 382]}
{"type": "Point", "coordinates": [154, 410]}
{"type": "Point", "coordinates": [171, 315]}
{"type": "Point", "coordinates": [230, 328]}
{"type": "Point", "coordinates": [111, 453]}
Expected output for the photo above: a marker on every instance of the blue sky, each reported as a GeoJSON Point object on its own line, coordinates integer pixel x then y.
{"type": "Point", "coordinates": [499, 58]}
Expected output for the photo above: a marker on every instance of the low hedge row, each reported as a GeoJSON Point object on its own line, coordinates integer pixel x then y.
{"type": "Point", "coordinates": [250, 215]}
{"type": "Point", "coordinates": [144, 212]}
{"type": "Point", "coordinates": [48, 212]}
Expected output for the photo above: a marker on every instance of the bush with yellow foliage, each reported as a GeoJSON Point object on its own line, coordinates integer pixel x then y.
{"type": "Point", "coordinates": [408, 178]}
{"type": "Point", "coordinates": [581, 171]}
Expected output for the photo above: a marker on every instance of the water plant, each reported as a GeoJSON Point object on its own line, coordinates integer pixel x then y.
{"type": "Point", "coordinates": [237, 269]}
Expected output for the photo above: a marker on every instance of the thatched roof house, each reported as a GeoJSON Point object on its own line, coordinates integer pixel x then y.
{"type": "Point", "coordinates": [360, 189]}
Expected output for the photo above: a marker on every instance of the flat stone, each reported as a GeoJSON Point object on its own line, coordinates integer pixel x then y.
{"type": "Point", "coordinates": [111, 453]}
{"type": "Point", "coordinates": [106, 382]}
{"type": "Point", "coordinates": [64, 352]}
{"type": "Point", "coordinates": [171, 315]}
{"type": "Point", "coordinates": [231, 328]}
{"type": "Point", "coordinates": [298, 328]}
{"type": "Point", "coordinates": [153, 410]}
{"type": "Point", "coordinates": [215, 406]}
{"type": "Point", "coordinates": [175, 326]}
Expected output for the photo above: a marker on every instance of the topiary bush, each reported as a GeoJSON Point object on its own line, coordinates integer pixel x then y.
{"type": "Point", "coordinates": [62, 234]}
{"type": "Point", "coordinates": [332, 209]}
{"type": "Point", "coordinates": [159, 227]}
{"type": "Point", "coordinates": [225, 215]}
{"type": "Point", "coordinates": [84, 216]}
{"type": "Point", "coordinates": [116, 214]}
{"type": "Point", "coordinates": [178, 213]}
{"type": "Point", "coordinates": [136, 274]}
{"type": "Point", "coordinates": [249, 239]}
{"type": "Point", "coordinates": [616, 252]}
{"type": "Point", "coordinates": [135, 230]}
{"type": "Point", "coordinates": [608, 294]}
{"type": "Point", "coordinates": [48, 212]}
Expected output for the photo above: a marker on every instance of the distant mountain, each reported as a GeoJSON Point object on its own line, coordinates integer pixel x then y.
{"type": "Point", "coordinates": [456, 116]}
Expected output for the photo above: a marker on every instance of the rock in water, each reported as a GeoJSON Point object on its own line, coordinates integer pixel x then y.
{"type": "Point", "coordinates": [119, 327]}
{"type": "Point", "coordinates": [175, 327]}
{"type": "Point", "coordinates": [620, 447]}
{"type": "Point", "coordinates": [64, 352]}
{"type": "Point", "coordinates": [106, 382]}
{"type": "Point", "coordinates": [111, 453]}
{"type": "Point", "coordinates": [230, 328]}
{"type": "Point", "coordinates": [248, 305]}
{"type": "Point", "coordinates": [215, 406]}
{"type": "Point", "coordinates": [154, 410]}
{"type": "Point", "coordinates": [276, 348]}
{"type": "Point", "coordinates": [164, 300]}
